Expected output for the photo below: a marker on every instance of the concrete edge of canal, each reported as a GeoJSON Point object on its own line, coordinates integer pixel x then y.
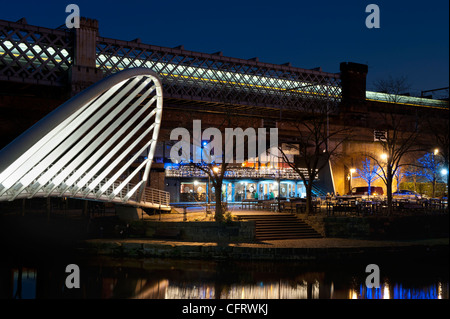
{"type": "Point", "coordinates": [433, 248]}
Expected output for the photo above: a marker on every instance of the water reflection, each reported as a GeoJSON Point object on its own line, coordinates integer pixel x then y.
{"type": "Point", "coordinates": [24, 283]}
{"type": "Point", "coordinates": [161, 279]}
{"type": "Point", "coordinates": [397, 291]}
{"type": "Point", "coordinates": [261, 290]}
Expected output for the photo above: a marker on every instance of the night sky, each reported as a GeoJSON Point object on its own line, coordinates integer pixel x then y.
{"type": "Point", "coordinates": [412, 41]}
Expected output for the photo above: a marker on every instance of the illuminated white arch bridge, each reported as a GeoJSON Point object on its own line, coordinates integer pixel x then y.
{"type": "Point", "coordinates": [99, 145]}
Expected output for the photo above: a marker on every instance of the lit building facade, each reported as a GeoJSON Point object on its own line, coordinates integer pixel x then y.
{"type": "Point", "coordinates": [240, 183]}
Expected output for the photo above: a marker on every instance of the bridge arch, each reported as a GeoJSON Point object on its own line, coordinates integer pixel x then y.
{"type": "Point", "coordinates": [98, 145]}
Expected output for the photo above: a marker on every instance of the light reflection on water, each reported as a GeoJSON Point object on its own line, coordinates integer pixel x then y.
{"type": "Point", "coordinates": [285, 291]}
{"type": "Point", "coordinates": [25, 287]}
{"type": "Point", "coordinates": [397, 291]}
{"type": "Point", "coordinates": [156, 279]}
{"type": "Point", "coordinates": [261, 290]}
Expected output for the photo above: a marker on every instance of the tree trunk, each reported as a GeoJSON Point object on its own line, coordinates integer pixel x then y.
{"type": "Point", "coordinates": [218, 216]}
{"type": "Point", "coordinates": [389, 193]}
{"type": "Point", "coordinates": [433, 190]}
{"type": "Point", "coordinates": [309, 206]}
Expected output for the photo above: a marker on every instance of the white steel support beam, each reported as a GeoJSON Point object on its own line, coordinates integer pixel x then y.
{"type": "Point", "coordinates": [104, 127]}
{"type": "Point", "coordinates": [89, 147]}
{"type": "Point", "coordinates": [72, 145]}
{"type": "Point", "coordinates": [72, 170]}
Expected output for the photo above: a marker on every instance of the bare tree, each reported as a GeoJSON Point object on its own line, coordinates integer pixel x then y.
{"type": "Point", "coordinates": [395, 88]}
{"type": "Point", "coordinates": [315, 141]}
{"type": "Point", "coordinates": [369, 173]}
{"type": "Point", "coordinates": [399, 174]}
{"type": "Point", "coordinates": [431, 167]}
{"type": "Point", "coordinates": [439, 129]}
{"type": "Point", "coordinates": [414, 173]}
{"type": "Point", "coordinates": [401, 132]}
{"type": "Point", "coordinates": [215, 173]}
{"type": "Point", "coordinates": [216, 170]}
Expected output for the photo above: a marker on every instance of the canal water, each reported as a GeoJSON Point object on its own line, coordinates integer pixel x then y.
{"type": "Point", "coordinates": [33, 266]}
{"type": "Point", "coordinates": [156, 278]}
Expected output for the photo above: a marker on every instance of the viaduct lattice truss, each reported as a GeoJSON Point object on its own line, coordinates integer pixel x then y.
{"type": "Point", "coordinates": [39, 55]}
{"type": "Point", "coordinates": [93, 146]}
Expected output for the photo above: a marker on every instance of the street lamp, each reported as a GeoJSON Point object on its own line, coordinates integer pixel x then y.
{"type": "Point", "coordinates": [384, 156]}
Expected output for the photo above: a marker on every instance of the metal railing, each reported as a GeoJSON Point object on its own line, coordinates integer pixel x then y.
{"type": "Point", "coordinates": [151, 195]}
{"type": "Point", "coordinates": [156, 196]}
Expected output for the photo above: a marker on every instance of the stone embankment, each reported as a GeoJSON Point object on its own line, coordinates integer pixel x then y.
{"type": "Point", "coordinates": [298, 250]}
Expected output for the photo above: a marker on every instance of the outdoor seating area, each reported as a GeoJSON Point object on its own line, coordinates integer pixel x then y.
{"type": "Point", "coordinates": [269, 205]}
{"type": "Point", "coordinates": [348, 206]}
{"type": "Point", "coordinates": [378, 206]}
{"type": "Point", "coordinates": [294, 205]}
{"type": "Point", "coordinates": [334, 206]}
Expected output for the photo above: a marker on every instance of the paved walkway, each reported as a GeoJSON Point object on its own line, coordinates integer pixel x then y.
{"type": "Point", "coordinates": [323, 249]}
{"type": "Point", "coordinates": [198, 213]}
{"type": "Point", "coordinates": [292, 243]}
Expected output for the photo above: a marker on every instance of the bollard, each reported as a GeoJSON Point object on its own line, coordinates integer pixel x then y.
{"type": "Point", "coordinates": [184, 213]}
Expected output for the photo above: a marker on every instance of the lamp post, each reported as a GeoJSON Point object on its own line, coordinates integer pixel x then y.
{"type": "Point", "coordinates": [215, 171]}
{"type": "Point", "coordinates": [279, 192]}
{"type": "Point", "coordinates": [444, 172]}
{"type": "Point", "coordinates": [434, 168]}
{"type": "Point", "coordinates": [209, 189]}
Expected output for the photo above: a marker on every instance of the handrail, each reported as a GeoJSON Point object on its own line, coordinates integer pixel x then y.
{"type": "Point", "coordinates": [151, 195]}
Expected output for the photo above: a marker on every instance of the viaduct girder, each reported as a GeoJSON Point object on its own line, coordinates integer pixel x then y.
{"type": "Point", "coordinates": [36, 55]}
